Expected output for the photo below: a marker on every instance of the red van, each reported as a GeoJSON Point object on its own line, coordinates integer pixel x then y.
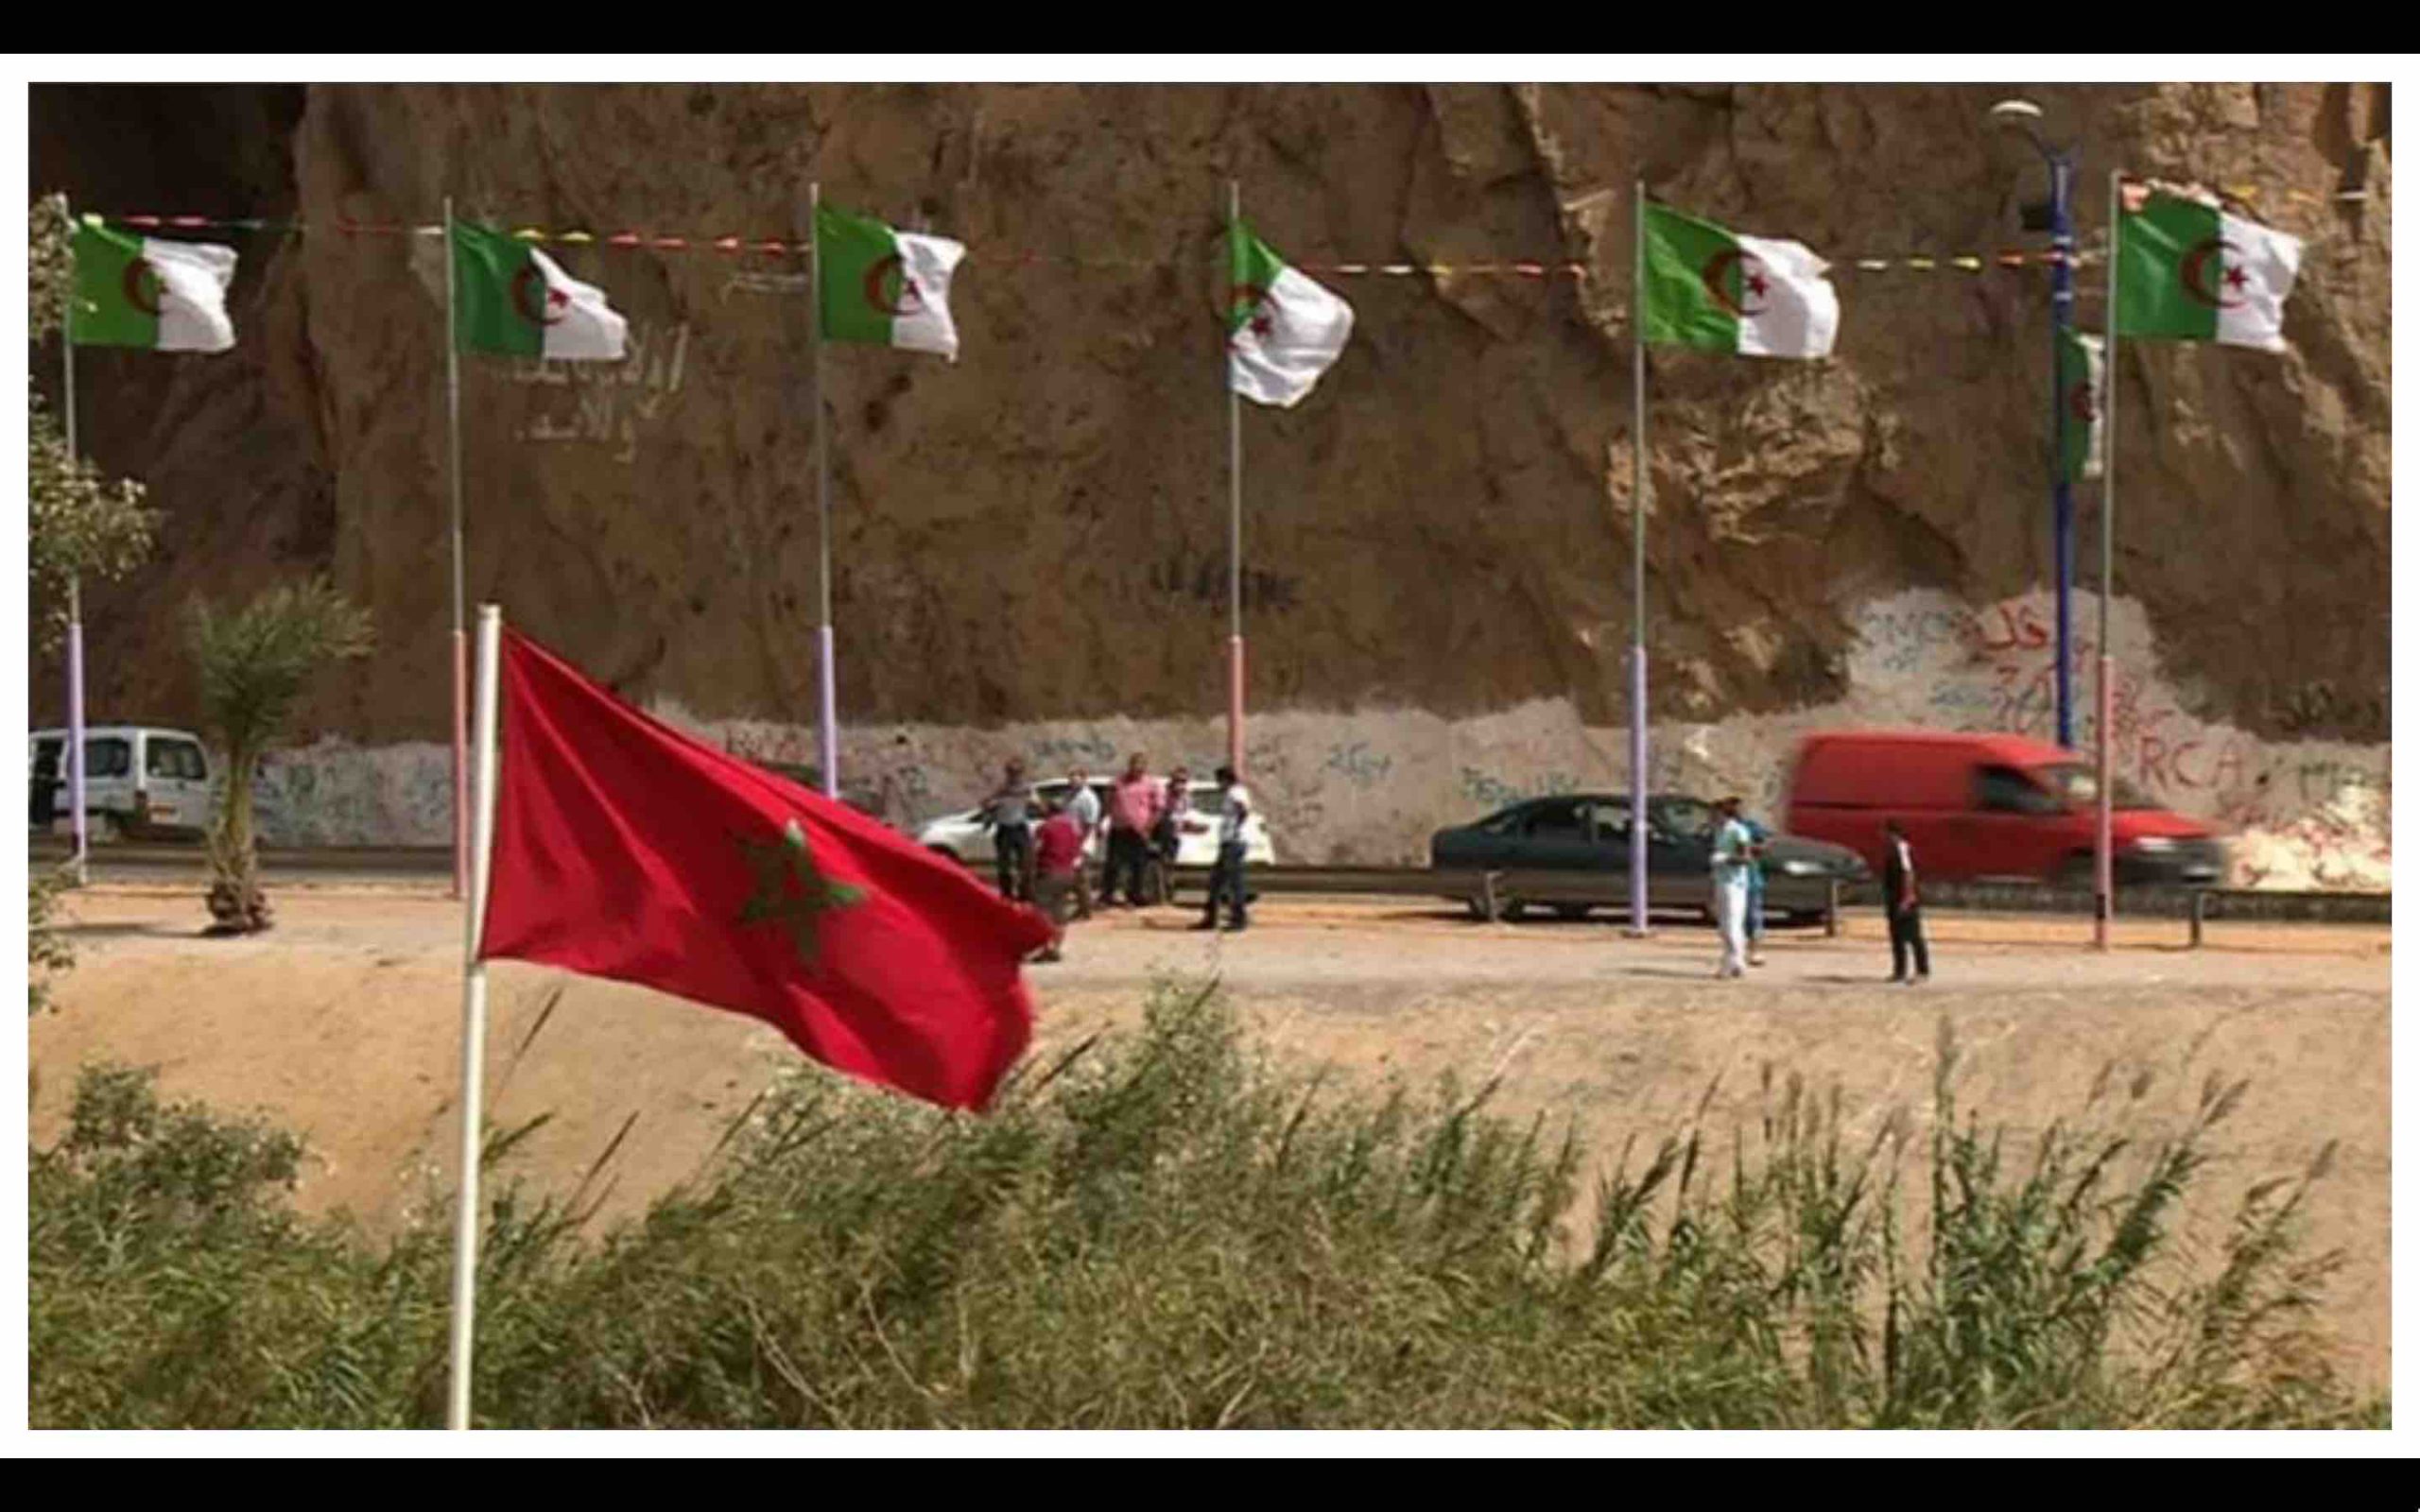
{"type": "Point", "coordinates": [1986, 806]}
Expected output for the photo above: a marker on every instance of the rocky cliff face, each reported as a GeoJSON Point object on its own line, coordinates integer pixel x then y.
{"type": "Point", "coordinates": [1037, 533]}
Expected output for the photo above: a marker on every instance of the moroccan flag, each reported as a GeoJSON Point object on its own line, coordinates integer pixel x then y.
{"type": "Point", "coordinates": [1283, 330]}
{"type": "Point", "coordinates": [2081, 388]}
{"type": "Point", "coordinates": [511, 298]}
{"type": "Point", "coordinates": [888, 288]}
{"type": "Point", "coordinates": [2188, 271]}
{"type": "Point", "coordinates": [140, 291]}
{"type": "Point", "coordinates": [626, 850]}
{"type": "Point", "coordinates": [1709, 288]}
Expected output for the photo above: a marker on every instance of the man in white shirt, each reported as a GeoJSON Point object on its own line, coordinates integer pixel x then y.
{"type": "Point", "coordinates": [1227, 875]}
{"type": "Point", "coordinates": [1735, 854]}
{"type": "Point", "coordinates": [1083, 806]}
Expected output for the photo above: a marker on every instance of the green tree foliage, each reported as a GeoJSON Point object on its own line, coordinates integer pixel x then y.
{"type": "Point", "coordinates": [256, 663]}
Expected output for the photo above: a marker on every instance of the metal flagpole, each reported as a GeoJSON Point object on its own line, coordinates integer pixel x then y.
{"type": "Point", "coordinates": [828, 707]}
{"type": "Point", "coordinates": [461, 644]}
{"type": "Point", "coordinates": [1234, 522]}
{"type": "Point", "coordinates": [76, 821]}
{"type": "Point", "coordinates": [1639, 562]}
{"type": "Point", "coordinates": [475, 1034]}
{"type": "Point", "coordinates": [2103, 863]}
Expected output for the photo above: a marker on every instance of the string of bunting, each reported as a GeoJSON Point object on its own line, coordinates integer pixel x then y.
{"type": "Point", "coordinates": [778, 246]}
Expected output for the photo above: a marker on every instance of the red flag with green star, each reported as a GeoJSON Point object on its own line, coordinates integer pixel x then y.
{"type": "Point", "coordinates": [624, 848]}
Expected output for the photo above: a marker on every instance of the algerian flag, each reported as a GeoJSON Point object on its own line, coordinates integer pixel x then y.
{"type": "Point", "coordinates": [2188, 271]}
{"type": "Point", "coordinates": [513, 299]}
{"type": "Point", "coordinates": [2080, 390]}
{"type": "Point", "coordinates": [890, 288]}
{"type": "Point", "coordinates": [139, 291]}
{"type": "Point", "coordinates": [1706, 287]}
{"type": "Point", "coordinates": [1283, 330]}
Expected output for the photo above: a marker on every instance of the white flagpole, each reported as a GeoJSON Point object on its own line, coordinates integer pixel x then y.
{"type": "Point", "coordinates": [1234, 522]}
{"type": "Point", "coordinates": [2103, 862]}
{"type": "Point", "coordinates": [475, 1032]}
{"type": "Point", "coordinates": [462, 648]}
{"type": "Point", "coordinates": [1639, 562]}
{"type": "Point", "coordinates": [74, 599]}
{"type": "Point", "coordinates": [827, 714]}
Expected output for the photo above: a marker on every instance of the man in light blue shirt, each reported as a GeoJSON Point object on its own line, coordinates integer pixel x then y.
{"type": "Point", "coordinates": [1733, 857]}
{"type": "Point", "coordinates": [1758, 835]}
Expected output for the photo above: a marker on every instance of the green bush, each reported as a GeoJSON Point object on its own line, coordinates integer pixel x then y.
{"type": "Point", "coordinates": [1160, 1228]}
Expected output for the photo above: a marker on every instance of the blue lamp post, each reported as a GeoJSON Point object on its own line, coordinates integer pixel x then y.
{"type": "Point", "coordinates": [2024, 115]}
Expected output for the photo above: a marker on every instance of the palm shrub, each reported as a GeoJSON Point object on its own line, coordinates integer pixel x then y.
{"type": "Point", "coordinates": [256, 663]}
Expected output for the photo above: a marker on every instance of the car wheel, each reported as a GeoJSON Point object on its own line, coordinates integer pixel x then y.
{"type": "Point", "coordinates": [1514, 910]}
{"type": "Point", "coordinates": [2075, 872]}
{"type": "Point", "coordinates": [1571, 911]}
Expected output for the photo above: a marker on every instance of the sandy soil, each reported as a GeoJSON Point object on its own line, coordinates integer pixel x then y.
{"type": "Point", "coordinates": [344, 1023]}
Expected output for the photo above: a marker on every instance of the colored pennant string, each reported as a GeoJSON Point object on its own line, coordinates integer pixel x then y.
{"type": "Point", "coordinates": [732, 246]}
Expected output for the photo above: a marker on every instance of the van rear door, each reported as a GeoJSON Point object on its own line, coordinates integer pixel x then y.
{"type": "Point", "coordinates": [176, 781]}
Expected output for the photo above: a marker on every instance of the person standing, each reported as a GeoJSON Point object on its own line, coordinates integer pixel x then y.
{"type": "Point", "coordinates": [1010, 812]}
{"type": "Point", "coordinates": [1227, 876]}
{"type": "Point", "coordinates": [1176, 806]}
{"type": "Point", "coordinates": [1734, 855]}
{"type": "Point", "coordinates": [1058, 861]}
{"type": "Point", "coordinates": [1134, 804]}
{"type": "Point", "coordinates": [1759, 836]}
{"type": "Point", "coordinates": [1083, 806]}
{"type": "Point", "coordinates": [1899, 901]}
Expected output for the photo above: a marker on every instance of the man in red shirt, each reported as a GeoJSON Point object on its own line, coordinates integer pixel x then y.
{"type": "Point", "coordinates": [1136, 805]}
{"type": "Point", "coordinates": [1058, 852]}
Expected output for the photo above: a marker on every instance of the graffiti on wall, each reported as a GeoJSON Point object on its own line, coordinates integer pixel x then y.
{"type": "Point", "coordinates": [1369, 786]}
{"type": "Point", "coordinates": [608, 403]}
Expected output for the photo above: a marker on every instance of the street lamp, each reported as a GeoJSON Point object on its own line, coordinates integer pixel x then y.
{"type": "Point", "coordinates": [2025, 116]}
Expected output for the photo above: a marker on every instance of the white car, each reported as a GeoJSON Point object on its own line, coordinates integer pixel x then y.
{"type": "Point", "coordinates": [138, 780]}
{"type": "Point", "coordinates": [965, 836]}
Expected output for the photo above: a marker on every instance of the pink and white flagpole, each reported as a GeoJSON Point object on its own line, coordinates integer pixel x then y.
{"type": "Point", "coordinates": [461, 637]}
{"type": "Point", "coordinates": [1234, 532]}
{"type": "Point", "coordinates": [75, 614]}
{"type": "Point", "coordinates": [2103, 862]}
{"type": "Point", "coordinates": [1638, 563]}
{"type": "Point", "coordinates": [827, 709]}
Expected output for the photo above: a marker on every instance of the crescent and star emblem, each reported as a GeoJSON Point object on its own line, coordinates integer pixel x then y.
{"type": "Point", "coordinates": [1715, 275]}
{"type": "Point", "coordinates": [1248, 300]}
{"type": "Point", "coordinates": [910, 300]}
{"type": "Point", "coordinates": [2194, 272]}
{"type": "Point", "coordinates": [141, 285]}
{"type": "Point", "coordinates": [535, 301]}
{"type": "Point", "coordinates": [2079, 401]}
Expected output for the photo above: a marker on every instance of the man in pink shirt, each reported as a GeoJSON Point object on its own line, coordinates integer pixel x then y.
{"type": "Point", "coordinates": [1136, 801]}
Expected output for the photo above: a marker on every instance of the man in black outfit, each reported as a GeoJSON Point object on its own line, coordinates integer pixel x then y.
{"type": "Point", "coordinates": [1900, 902]}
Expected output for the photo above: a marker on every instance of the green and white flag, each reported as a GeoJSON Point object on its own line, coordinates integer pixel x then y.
{"type": "Point", "coordinates": [2081, 388]}
{"type": "Point", "coordinates": [1710, 288]}
{"type": "Point", "coordinates": [512, 298]}
{"type": "Point", "coordinates": [140, 291]}
{"type": "Point", "coordinates": [1283, 330]}
{"type": "Point", "coordinates": [888, 288]}
{"type": "Point", "coordinates": [2188, 271]}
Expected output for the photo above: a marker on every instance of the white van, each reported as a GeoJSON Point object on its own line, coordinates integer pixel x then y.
{"type": "Point", "coordinates": [139, 782]}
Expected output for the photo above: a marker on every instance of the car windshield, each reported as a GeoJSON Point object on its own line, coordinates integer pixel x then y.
{"type": "Point", "coordinates": [2075, 784]}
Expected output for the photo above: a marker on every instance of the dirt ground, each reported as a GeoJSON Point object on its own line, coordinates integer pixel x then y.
{"type": "Point", "coordinates": [344, 1022]}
